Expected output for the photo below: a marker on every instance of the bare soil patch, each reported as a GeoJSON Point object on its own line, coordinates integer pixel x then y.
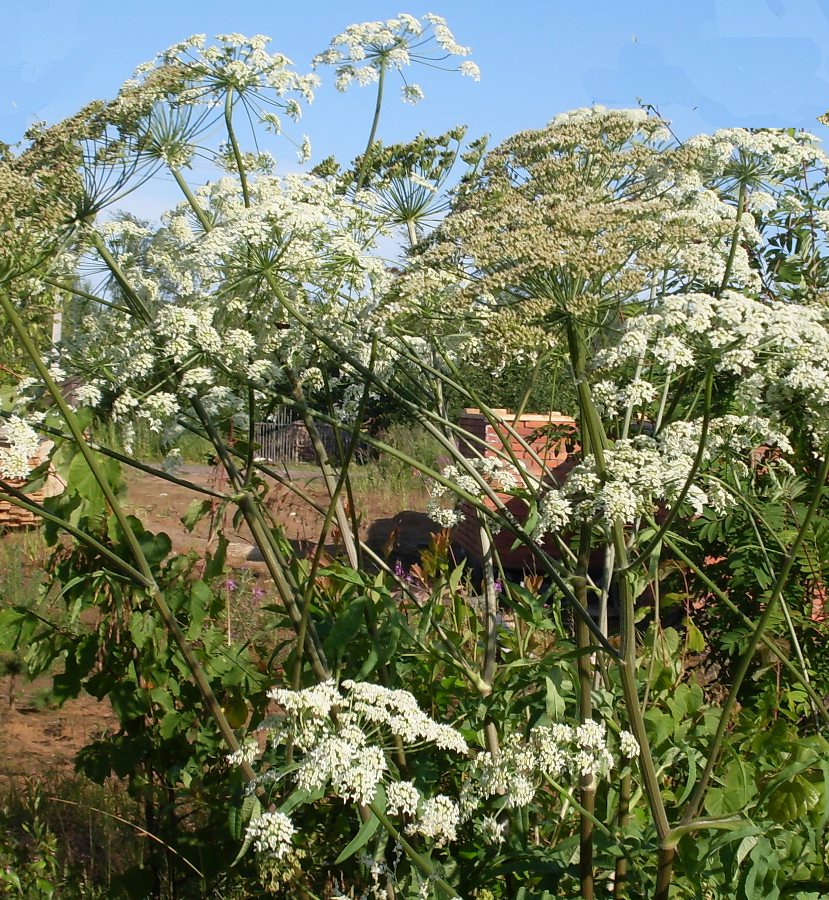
{"type": "Point", "coordinates": [36, 738]}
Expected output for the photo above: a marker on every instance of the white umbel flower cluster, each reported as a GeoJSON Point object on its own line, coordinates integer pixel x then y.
{"type": "Point", "coordinates": [344, 732]}
{"type": "Point", "coordinates": [438, 818]}
{"type": "Point", "coordinates": [501, 476]}
{"type": "Point", "coordinates": [778, 350]}
{"type": "Point", "coordinates": [642, 472]}
{"type": "Point", "coordinates": [247, 753]}
{"type": "Point", "coordinates": [361, 51]}
{"type": "Point", "coordinates": [19, 444]}
{"type": "Point", "coordinates": [557, 751]}
{"type": "Point", "coordinates": [271, 834]}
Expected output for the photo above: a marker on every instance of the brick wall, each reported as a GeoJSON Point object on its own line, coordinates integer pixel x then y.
{"type": "Point", "coordinates": [552, 437]}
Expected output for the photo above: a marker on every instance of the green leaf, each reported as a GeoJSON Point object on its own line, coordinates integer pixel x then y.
{"type": "Point", "coordinates": [359, 840]}
{"type": "Point", "coordinates": [690, 756]}
{"type": "Point", "coordinates": [556, 707]}
{"type": "Point", "coordinates": [216, 562]}
{"type": "Point", "coordinates": [793, 800]}
{"type": "Point", "coordinates": [17, 626]}
{"type": "Point", "coordinates": [251, 809]}
{"type": "Point", "coordinates": [346, 627]}
{"type": "Point", "coordinates": [196, 511]}
{"type": "Point", "coordinates": [169, 725]}
{"type": "Point", "coordinates": [156, 547]}
{"type": "Point", "coordinates": [693, 637]}
{"type": "Point", "coordinates": [300, 798]}
{"type": "Point", "coordinates": [344, 573]}
{"type": "Point", "coordinates": [455, 576]}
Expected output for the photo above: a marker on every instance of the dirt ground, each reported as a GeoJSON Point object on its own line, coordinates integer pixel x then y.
{"type": "Point", "coordinates": [36, 739]}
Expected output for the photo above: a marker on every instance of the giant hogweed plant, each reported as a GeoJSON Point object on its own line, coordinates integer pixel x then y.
{"type": "Point", "coordinates": [513, 742]}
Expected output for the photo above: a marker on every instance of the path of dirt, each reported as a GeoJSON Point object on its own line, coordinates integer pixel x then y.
{"type": "Point", "coordinates": [35, 739]}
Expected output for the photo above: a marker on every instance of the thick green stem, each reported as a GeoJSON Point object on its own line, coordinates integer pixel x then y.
{"type": "Point", "coordinates": [141, 563]}
{"type": "Point", "coordinates": [191, 199]}
{"type": "Point", "coordinates": [328, 473]}
{"type": "Point", "coordinates": [592, 425]}
{"type": "Point", "coordinates": [274, 560]}
{"type": "Point", "coordinates": [664, 872]}
{"type": "Point", "coordinates": [363, 171]}
{"type": "Point", "coordinates": [137, 305]}
{"type": "Point", "coordinates": [490, 617]}
{"type": "Point", "coordinates": [621, 870]}
{"type": "Point", "coordinates": [585, 669]}
{"type": "Point", "coordinates": [490, 610]}
{"type": "Point", "coordinates": [326, 524]}
{"type": "Point", "coordinates": [137, 464]}
{"type": "Point", "coordinates": [725, 715]}
{"type": "Point", "coordinates": [735, 238]}
{"type": "Point", "coordinates": [71, 289]}
{"type": "Point", "coordinates": [237, 153]}
{"type": "Point", "coordinates": [689, 479]}
{"type": "Point", "coordinates": [425, 866]}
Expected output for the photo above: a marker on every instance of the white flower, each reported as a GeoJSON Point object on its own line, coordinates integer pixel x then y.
{"type": "Point", "coordinates": [362, 50]}
{"type": "Point", "coordinates": [412, 93]}
{"type": "Point", "coordinates": [19, 443]}
{"type": "Point", "coordinates": [271, 834]}
{"type": "Point", "coordinates": [491, 830]}
{"type": "Point", "coordinates": [402, 798]}
{"type": "Point", "coordinates": [470, 69]}
{"type": "Point", "coordinates": [554, 513]}
{"type": "Point", "coordinates": [437, 818]}
{"type": "Point", "coordinates": [628, 745]}
{"type": "Point", "coordinates": [316, 700]}
{"type": "Point", "coordinates": [88, 395]}
{"type": "Point", "coordinates": [247, 753]}
{"type": "Point", "coordinates": [358, 781]}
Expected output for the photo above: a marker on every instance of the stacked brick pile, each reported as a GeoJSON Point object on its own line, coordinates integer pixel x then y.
{"type": "Point", "coordinates": [552, 437]}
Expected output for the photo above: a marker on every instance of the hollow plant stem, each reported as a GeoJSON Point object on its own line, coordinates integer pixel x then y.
{"type": "Point", "coordinates": [621, 869]}
{"type": "Point", "coordinates": [735, 238]}
{"type": "Point", "coordinates": [328, 473]}
{"type": "Point", "coordinates": [762, 624]}
{"type": "Point", "coordinates": [585, 670]}
{"type": "Point", "coordinates": [363, 170]}
{"type": "Point", "coordinates": [234, 144]}
{"type": "Point", "coordinates": [627, 662]}
{"type": "Point", "coordinates": [490, 617]}
{"type": "Point", "coordinates": [164, 611]}
{"type": "Point", "coordinates": [274, 559]}
{"type": "Point", "coordinates": [191, 199]}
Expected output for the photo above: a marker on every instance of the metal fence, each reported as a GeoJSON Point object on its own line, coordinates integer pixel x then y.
{"type": "Point", "coordinates": [286, 440]}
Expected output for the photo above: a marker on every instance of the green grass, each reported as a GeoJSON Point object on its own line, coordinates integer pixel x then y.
{"type": "Point", "coordinates": [22, 556]}
{"type": "Point", "coordinates": [389, 477]}
{"type": "Point", "coordinates": [65, 832]}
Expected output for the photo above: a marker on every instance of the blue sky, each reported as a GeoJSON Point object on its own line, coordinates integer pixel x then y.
{"type": "Point", "coordinates": [705, 64]}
